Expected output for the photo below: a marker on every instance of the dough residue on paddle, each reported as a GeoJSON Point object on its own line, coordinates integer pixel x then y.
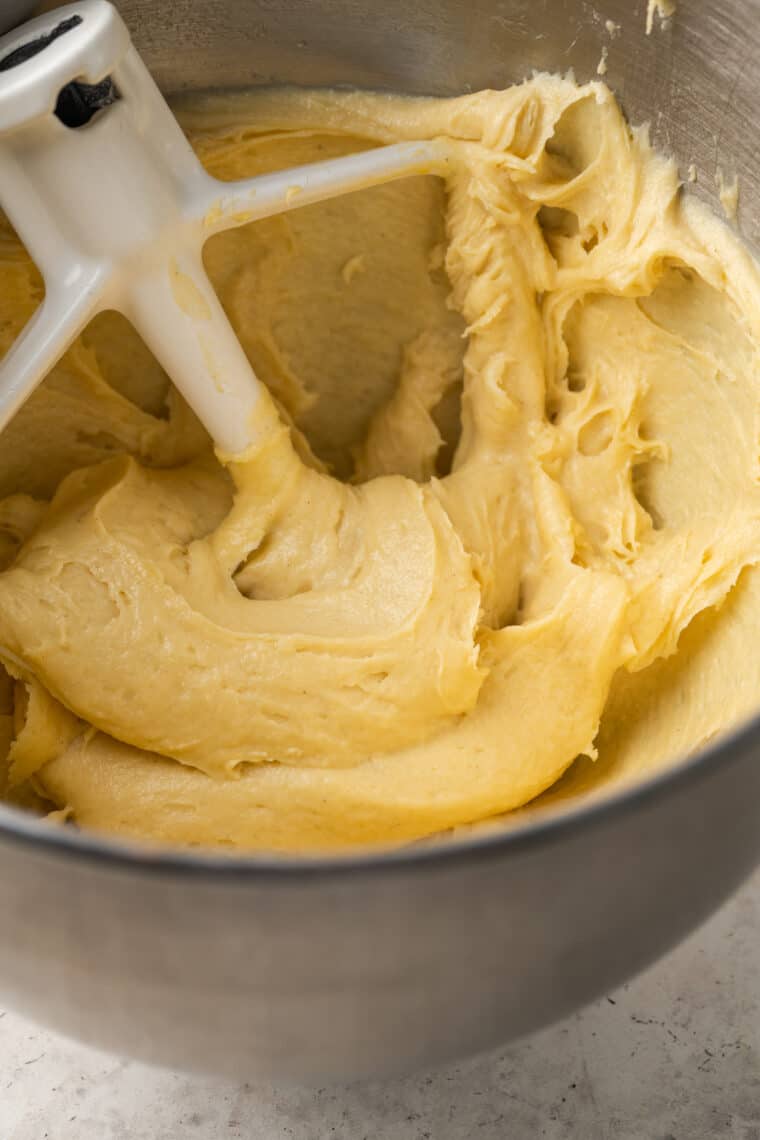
{"type": "Point", "coordinates": [502, 545]}
{"type": "Point", "coordinates": [728, 192]}
{"type": "Point", "coordinates": [664, 9]}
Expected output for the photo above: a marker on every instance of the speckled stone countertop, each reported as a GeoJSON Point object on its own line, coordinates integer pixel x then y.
{"type": "Point", "coordinates": [674, 1055]}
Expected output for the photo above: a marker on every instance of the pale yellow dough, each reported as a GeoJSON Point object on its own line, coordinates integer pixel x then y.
{"type": "Point", "coordinates": [377, 627]}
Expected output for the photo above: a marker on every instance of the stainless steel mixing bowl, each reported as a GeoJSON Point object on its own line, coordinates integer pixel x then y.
{"type": "Point", "coordinates": [375, 965]}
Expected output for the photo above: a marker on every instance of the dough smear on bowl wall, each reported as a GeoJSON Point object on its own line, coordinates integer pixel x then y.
{"type": "Point", "coordinates": [511, 519]}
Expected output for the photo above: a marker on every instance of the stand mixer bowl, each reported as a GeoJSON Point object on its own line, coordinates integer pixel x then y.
{"type": "Point", "coordinates": [373, 965]}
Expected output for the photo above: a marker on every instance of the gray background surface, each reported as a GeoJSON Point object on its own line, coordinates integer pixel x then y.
{"type": "Point", "coordinates": [675, 1055]}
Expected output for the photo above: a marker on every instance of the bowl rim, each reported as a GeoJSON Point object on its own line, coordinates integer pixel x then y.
{"type": "Point", "coordinates": [553, 823]}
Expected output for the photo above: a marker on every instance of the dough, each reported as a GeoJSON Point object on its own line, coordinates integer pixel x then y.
{"type": "Point", "coordinates": [507, 531]}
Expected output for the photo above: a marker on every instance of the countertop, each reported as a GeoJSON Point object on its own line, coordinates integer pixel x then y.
{"type": "Point", "coordinates": [674, 1055]}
